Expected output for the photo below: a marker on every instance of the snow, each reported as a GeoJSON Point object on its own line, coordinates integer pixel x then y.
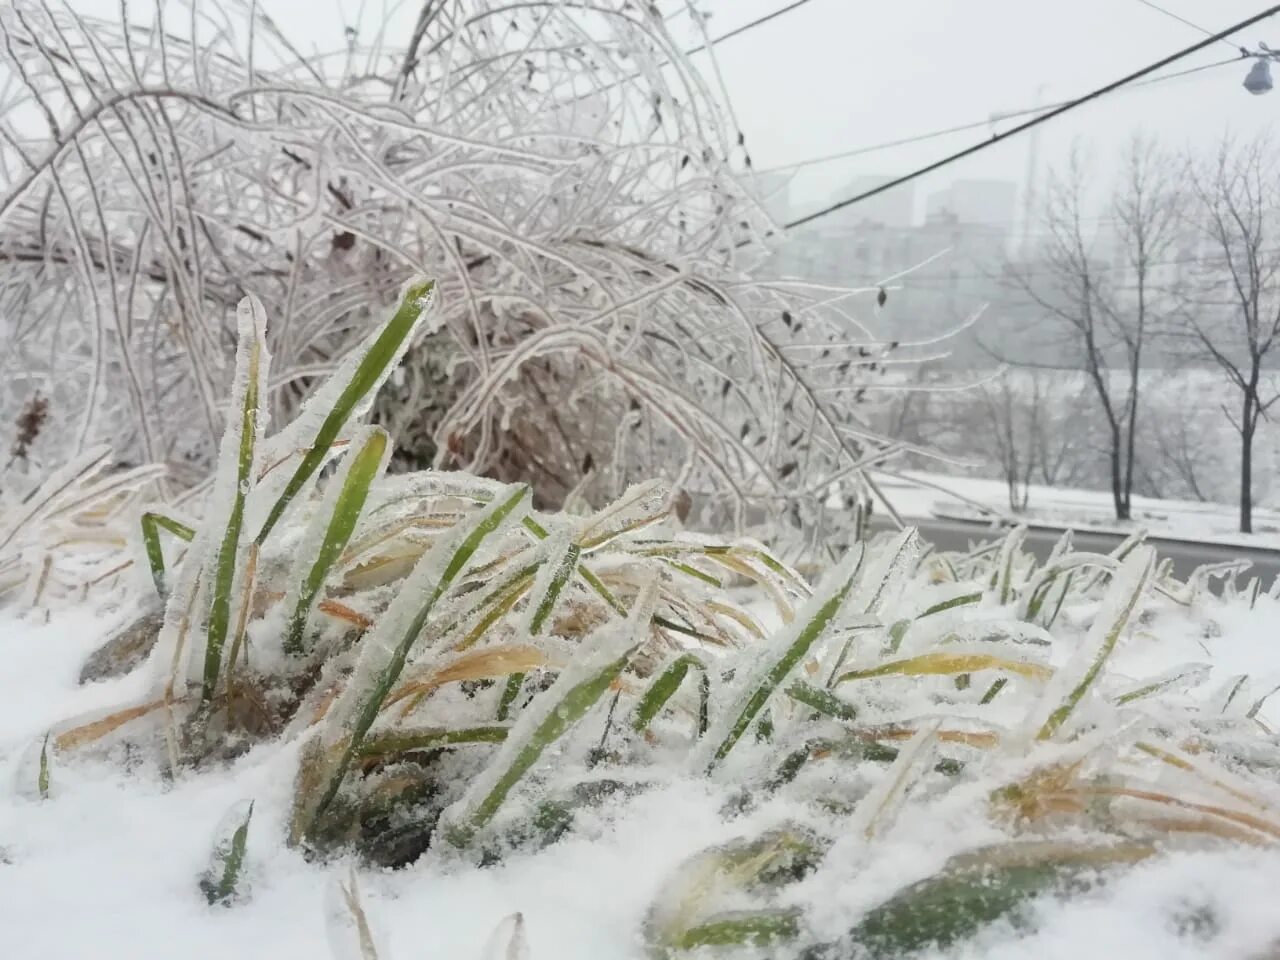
{"type": "Point", "coordinates": [921, 495]}
{"type": "Point", "coordinates": [108, 866]}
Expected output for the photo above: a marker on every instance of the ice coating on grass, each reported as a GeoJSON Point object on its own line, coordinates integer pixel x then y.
{"type": "Point", "coordinates": [966, 625]}
{"type": "Point", "coordinates": [378, 648]}
{"type": "Point", "coordinates": [558, 558]}
{"type": "Point", "coordinates": [309, 546]}
{"type": "Point", "coordinates": [614, 642]}
{"type": "Point", "coordinates": [876, 811]}
{"type": "Point", "coordinates": [1078, 678]}
{"type": "Point", "coordinates": [353, 932]}
{"type": "Point", "coordinates": [641, 504]}
{"type": "Point", "coordinates": [299, 435]}
{"type": "Point", "coordinates": [174, 655]}
{"type": "Point", "coordinates": [53, 491]}
{"type": "Point", "coordinates": [509, 941]}
{"type": "Point", "coordinates": [253, 363]}
{"type": "Point", "coordinates": [764, 658]}
{"type": "Point", "coordinates": [889, 570]}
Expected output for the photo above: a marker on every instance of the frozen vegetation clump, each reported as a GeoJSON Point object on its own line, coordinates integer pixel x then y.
{"type": "Point", "coordinates": [442, 669]}
{"type": "Point", "coordinates": [577, 188]}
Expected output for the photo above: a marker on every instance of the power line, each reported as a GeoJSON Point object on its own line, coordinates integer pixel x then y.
{"type": "Point", "coordinates": [946, 131]}
{"type": "Point", "coordinates": [1035, 121]}
{"type": "Point", "coordinates": [1194, 26]}
{"type": "Point", "coordinates": [748, 26]}
{"type": "Point", "coordinates": [715, 41]}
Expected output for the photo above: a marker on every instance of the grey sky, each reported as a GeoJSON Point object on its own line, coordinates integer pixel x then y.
{"type": "Point", "coordinates": [838, 74]}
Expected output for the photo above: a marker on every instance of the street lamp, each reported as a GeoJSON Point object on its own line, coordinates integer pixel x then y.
{"type": "Point", "coordinates": [1258, 80]}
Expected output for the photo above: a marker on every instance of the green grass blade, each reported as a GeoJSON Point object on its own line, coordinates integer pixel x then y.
{"type": "Point", "coordinates": [369, 373]}
{"type": "Point", "coordinates": [493, 606]}
{"type": "Point", "coordinates": [152, 523]}
{"type": "Point", "coordinates": [548, 718]}
{"type": "Point", "coordinates": [811, 625]}
{"type": "Point", "coordinates": [1186, 675]}
{"type": "Point", "coordinates": [944, 605]}
{"type": "Point", "coordinates": [824, 701]}
{"type": "Point", "coordinates": [993, 691]}
{"type": "Point", "coordinates": [362, 468]}
{"type": "Point", "coordinates": [1117, 610]}
{"type": "Point", "coordinates": [1002, 575]}
{"type": "Point", "coordinates": [368, 703]}
{"type": "Point", "coordinates": [241, 442]}
{"type": "Point", "coordinates": [408, 741]}
{"type": "Point", "coordinates": [220, 883]}
{"type": "Point", "coordinates": [663, 689]}
{"type": "Point", "coordinates": [515, 683]}
{"type": "Point", "coordinates": [754, 928]}
{"type": "Point", "coordinates": [556, 576]}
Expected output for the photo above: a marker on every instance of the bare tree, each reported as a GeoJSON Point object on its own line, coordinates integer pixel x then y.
{"type": "Point", "coordinates": [1233, 316]}
{"type": "Point", "coordinates": [1014, 422]}
{"type": "Point", "coordinates": [1106, 307]}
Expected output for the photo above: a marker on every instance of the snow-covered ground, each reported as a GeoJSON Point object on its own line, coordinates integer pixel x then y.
{"type": "Point", "coordinates": [107, 866]}
{"type": "Point", "coordinates": [967, 498]}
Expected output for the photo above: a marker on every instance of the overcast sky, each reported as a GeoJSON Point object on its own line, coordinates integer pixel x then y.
{"type": "Point", "coordinates": [839, 74]}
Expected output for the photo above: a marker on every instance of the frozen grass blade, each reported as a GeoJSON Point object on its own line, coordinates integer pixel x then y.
{"type": "Point", "coordinates": [876, 811]}
{"type": "Point", "coordinates": [368, 703]}
{"type": "Point", "coordinates": [220, 884]}
{"type": "Point", "coordinates": [483, 664]}
{"type": "Point", "coordinates": [944, 663]}
{"type": "Point", "coordinates": [1041, 587]}
{"type": "Point", "coordinates": [408, 741]}
{"type": "Point", "coordinates": [993, 691]}
{"type": "Point", "coordinates": [757, 928]}
{"type": "Point", "coordinates": [42, 780]}
{"type": "Point", "coordinates": [371, 370]}
{"type": "Point", "coordinates": [54, 490]}
{"type": "Point", "coordinates": [1002, 575]}
{"type": "Point", "coordinates": [359, 920]}
{"type": "Point", "coordinates": [811, 625]}
{"type": "Point", "coordinates": [510, 691]}
{"type": "Point", "coordinates": [240, 442]}
{"type": "Point", "coordinates": [685, 916]}
{"type": "Point", "coordinates": [824, 701]}
{"type": "Point", "coordinates": [547, 719]}
{"type": "Point", "coordinates": [664, 688]}
{"type": "Point", "coordinates": [963, 600]}
{"type": "Point", "coordinates": [550, 584]}
{"type": "Point", "coordinates": [1117, 610]}
{"type": "Point", "coordinates": [152, 523]}
{"type": "Point", "coordinates": [352, 485]}
{"type": "Point", "coordinates": [1187, 675]}
{"type": "Point", "coordinates": [508, 940]}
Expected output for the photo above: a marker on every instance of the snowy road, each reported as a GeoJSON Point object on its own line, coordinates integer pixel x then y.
{"type": "Point", "coordinates": [1187, 555]}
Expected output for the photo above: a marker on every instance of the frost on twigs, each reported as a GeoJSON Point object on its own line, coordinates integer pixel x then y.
{"type": "Point", "coordinates": [576, 185]}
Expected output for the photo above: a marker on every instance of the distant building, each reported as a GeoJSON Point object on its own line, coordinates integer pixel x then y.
{"type": "Point", "coordinates": [965, 238]}
{"type": "Point", "coordinates": [895, 207]}
{"type": "Point", "coordinates": [992, 202]}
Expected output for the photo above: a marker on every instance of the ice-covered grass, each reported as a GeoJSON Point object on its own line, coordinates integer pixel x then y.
{"type": "Point", "coordinates": [120, 851]}
{"type": "Point", "coordinates": [642, 741]}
